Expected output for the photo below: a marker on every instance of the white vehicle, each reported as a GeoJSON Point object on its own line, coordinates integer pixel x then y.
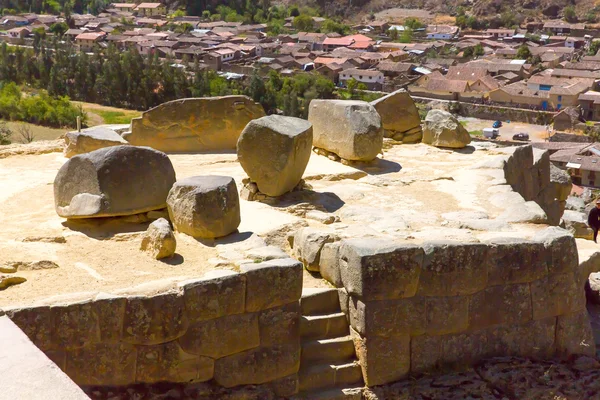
{"type": "Point", "coordinates": [491, 133]}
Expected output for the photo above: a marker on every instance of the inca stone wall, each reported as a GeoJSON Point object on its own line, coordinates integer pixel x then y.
{"type": "Point", "coordinates": [439, 305]}
{"type": "Point", "coordinates": [236, 328]}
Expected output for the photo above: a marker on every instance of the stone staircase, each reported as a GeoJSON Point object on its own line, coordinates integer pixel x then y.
{"type": "Point", "coordinates": [329, 369]}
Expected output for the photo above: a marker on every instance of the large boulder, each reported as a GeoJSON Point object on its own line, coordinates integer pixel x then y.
{"type": "Point", "coordinates": [274, 152]}
{"type": "Point", "coordinates": [442, 129]}
{"type": "Point", "coordinates": [194, 125]}
{"type": "Point", "coordinates": [351, 129]}
{"type": "Point", "coordinates": [576, 223]}
{"type": "Point", "coordinates": [90, 140]}
{"type": "Point", "coordinates": [398, 114]}
{"type": "Point", "coordinates": [159, 240]}
{"type": "Point", "coordinates": [205, 206]}
{"type": "Point", "coordinates": [114, 181]}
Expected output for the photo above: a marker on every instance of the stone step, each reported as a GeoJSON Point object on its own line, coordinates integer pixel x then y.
{"type": "Point", "coordinates": [329, 376]}
{"type": "Point", "coordinates": [354, 393]}
{"type": "Point", "coordinates": [323, 326]}
{"type": "Point", "coordinates": [327, 350]}
{"type": "Point", "coordinates": [319, 301]}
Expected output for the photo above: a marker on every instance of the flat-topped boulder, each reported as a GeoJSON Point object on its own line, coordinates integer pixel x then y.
{"type": "Point", "coordinates": [348, 128]}
{"type": "Point", "coordinates": [399, 115]}
{"type": "Point", "coordinates": [195, 124]}
{"type": "Point", "coordinates": [205, 206]}
{"type": "Point", "coordinates": [274, 152]}
{"type": "Point", "coordinates": [114, 181]}
{"type": "Point", "coordinates": [91, 139]}
{"type": "Point", "coordinates": [442, 129]}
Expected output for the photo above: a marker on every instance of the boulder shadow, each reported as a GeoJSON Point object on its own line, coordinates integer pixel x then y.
{"type": "Point", "coordinates": [464, 150]}
{"type": "Point", "coordinates": [106, 228]}
{"type": "Point", "coordinates": [235, 237]}
{"type": "Point", "coordinates": [175, 259]}
{"type": "Point", "coordinates": [324, 201]}
{"type": "Point", "coordinates": [379, 166]}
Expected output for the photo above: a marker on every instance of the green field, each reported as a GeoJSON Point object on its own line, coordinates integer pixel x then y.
{"type": "Point", "coordinates": [117, 117]}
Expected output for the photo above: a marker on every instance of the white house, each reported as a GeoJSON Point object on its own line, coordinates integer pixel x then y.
{"type": "Point", "coordinates": [371, 78]}
{"type": "Point", "coordinates": [441, 32]}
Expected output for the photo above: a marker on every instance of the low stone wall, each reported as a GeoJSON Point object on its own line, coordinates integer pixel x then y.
{"type": "Point", "coordinates": [233, 328]}
{"type": "Point", "coordinates": [420, 309]}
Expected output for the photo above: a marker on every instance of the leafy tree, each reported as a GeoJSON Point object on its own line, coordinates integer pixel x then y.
{"type": "Point", "coordinates": [468, 52]}
{"type": "Point", "coordinates": [351, 85]}
{"type": "Point", "coordinates": [478, 50]}
{"type": "Point", "coordinates": [590, 17]}
{"type": "Point", "coordinates": [413, 23]}
{"type": "Point", "coordinates": [406, 36]}
{"type": "Point", "coordinates": [393, 33]}
{"type": "Point", "coordinates": [594, 47]}
{"type": "Point", "coordinates": [303, 23]}
{"type": "Point", "coordinates": [5, 134]}
{"type": "Point", "coordinates": [294, 11]}
{"type": "Point", "coordinates": [59, 28]}
{"type": "Point", "coordinates": [569, 14]}
{"type": "Point", "coordinates": [523, 53]}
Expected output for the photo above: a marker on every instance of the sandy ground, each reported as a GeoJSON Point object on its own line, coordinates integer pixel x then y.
{"type": "Point", "coordinates": [537, 133]}
{"type": "Point", "coordinates": [404, 196]}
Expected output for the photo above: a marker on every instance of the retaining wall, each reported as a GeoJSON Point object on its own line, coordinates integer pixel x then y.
{"type": "Point", "coordinates": [235, 328]}
{"type": "Point", "coordinates": [422, 309]}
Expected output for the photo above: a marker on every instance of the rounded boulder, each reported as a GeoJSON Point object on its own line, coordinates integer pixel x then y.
{"type": "Point", "coordinates": [113, 181]}
{"type": "Point", "coordinates": [442, 129]}
{"type": "Point", "coordinates": [205, 207]}
{"type": "Point", "coordinates": [274, 151]}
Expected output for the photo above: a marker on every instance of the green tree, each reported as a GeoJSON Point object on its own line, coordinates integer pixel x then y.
{"type": "Point", "coordinates": [413, 23]}
{"type": "Point", "coordinates": [59, 28]}
{"type": "Point", "coordinates": [5, 134]}
{"type": "Point", "coordinates": [569, 14]}
{"type": "Point", "coordinates": [294, 11]}
{"type": "Point", "coordinates": [594, 47]}
{"type": "Point", "coordinates": [303, 23]}
{"type": "Point", "coordinates": [406, 36]}
{"type": "Point", "coordinates": [393, 33]}
{"type": "Point", "coordinates": [478, 50]}
{"type": "Point", "coordinates": [523, 53]}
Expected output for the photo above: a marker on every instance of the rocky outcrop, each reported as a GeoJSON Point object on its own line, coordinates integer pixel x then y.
{"type": "Point", "coordinates": [274, 151]}
{"type": "Point", "coordinates": [442, 129]}
{"type": "Point", "coordinates": [159, 240]}
{"type": "Point", "coordinates": [205, 206]}
{"type": "Point", "coordinates": [194, 125]}
{"type": "Point", "coordinates": [90, 140]}
{"type": "Point", "coordinates": [399, 117]}
{"type": "Point", "coordinates": [350, 129]}
{"type": "Point", "coordinates": [114, 181]}
{"type": "Point", "coordinates": [576, 223]}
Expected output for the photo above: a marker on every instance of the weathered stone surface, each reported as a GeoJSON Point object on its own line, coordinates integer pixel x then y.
{"type": "Point", "coordinates": [274, 152]}
{"type": "Point", "coordinates": [442, 129]}
{"type": "Point", "coordinates": [561, 249]}
{"type": "Point", "coordinates": [398, 112]}
{"type": "Point", "coordinates": [527, 212]}
{"type": "Point", "coordinates": [286, 386]}
{"type": "Point", "coordinates": [205, 206]}
{"type": "Point", "coordinates": [216, 294]}
{"type": "Point", "coordinates": [154, 319]}
{"type": "Point", "coordinates": [351, 129]}
{"type": "Point", "coordinates": [36, 323]}
{"type": "Point", "coordinates": [168, 362]}
{"type": "Point", "coordinates": [91, 139]}
{"type": "Point", "coordinates": [308, 243]}
{"type": "Point", "coordinates": [383, 360]}
{"type": "Point", "coordinates": [329, 264]}
{"type": "Point", "coordinates": [110, 312]}
{"type": "Point", "coordinates": [576, 224]}
{"type": "Point", "coordinates": [574, 335]}
{"type": "Point", "coordinates": [222, 337]}
{"type": "Point", "coordinates": [556, 294]}
{"type": "Point", "coordinates": [74, 325]}
{"type": "Point", "coordinates": [514, 260]}
{"type": "Point", "coordinates": [159, 240]}
{"type": "Point", "coordinates": [561, 181]}
{"type": "Point", "coordinates": [266, 253]}
{"type": "Point", "coordinates": [198, 124]}
{"type": "Point", "coordinates": [102, 364]}
{"type": "Point", "coordinates": [509, 304]}
{"type": "Point", "coordinates": [260, 365]}
{"type": "Point", "coordinates": [532, 339]}
{"type": "Point", "coordinates": [452, 268]}
{"type": "Point", "coordinates": [280, 325]}
{"type": "Point", "coordinates": [114, 181]}
{"type": "Point", "coordinates": [272, 283]}
{"type": "Point", "coordinates": [373, 269]}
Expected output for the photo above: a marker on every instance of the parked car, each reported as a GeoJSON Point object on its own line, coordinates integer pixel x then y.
{"type": "Point", "coordinates": [497, 124]}
{"type": "Point", "coordinates": [491, 133]}
{"type": "Point", "coordinates": [521, 136]}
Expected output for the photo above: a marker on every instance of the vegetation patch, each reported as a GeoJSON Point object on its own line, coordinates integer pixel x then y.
{"type": "Point", "coordinates": [116, 117]}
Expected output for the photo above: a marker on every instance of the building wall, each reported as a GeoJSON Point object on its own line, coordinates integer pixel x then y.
{"type": "Point", "coordinates": [235, 328]}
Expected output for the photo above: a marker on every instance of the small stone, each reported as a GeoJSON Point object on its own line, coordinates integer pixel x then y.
{"type": "Point", "coordinates": [322, 217]}
{"type": "Point", "coordinates": [9, 280]}
{"type": "Point", "coordinates": [159, 240]}
{"type": "Point", "coordinates": [38, 265]}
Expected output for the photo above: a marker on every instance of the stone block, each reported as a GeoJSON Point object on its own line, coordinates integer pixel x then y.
{"type": "Point", "coordinates": [272, 283]}
{"type": "Point", "coordinates": [91, 139]}
{"type": "Point", "coordinates": [154, 319]}
{"type": "Point", "coordinates": [36, 323]}
{"type": "Point", "coordinates": [561, 250]}
{"type": "Point", "coordinates": [58, 357]}
{"type": "Point", "coordinates": [574, 335]}
{"type": "Point", "coordinates": [102, 365]}
{"type": "Point", "coordinates": [555, 295]}
{"type": "Point", "coordinates": [308, 243]}
{"type": "Point", "coordinates": [514, 260]}
{"type": "Point", "coordinates": [383, 360]}
{"type": "Point", "coordinates": [329, 264]}
{"type": "Point", "coordinates": [168, 362]}
{"type": "Point", "coordinates": [110, 311]}
{"type": "Point", "coordinates": [223, 336]}
{"type": "Point", "coordinates": [509, 304]}
{"type": "Point", "coordinates": [216, 294]}
{"type": "Point", "coordinates": [462, 350]}
{"type": "Point", "coordinates": [532, 339]}
{"type": "Point", "coordinates": [280, 325]}
{"type": "Point", "coordinates": [453, 269]}
{"type": "Point", "coordinates": [446, 315]}
{"type": "Point", "coordinates": [74, 325]}
{"type": "Point", "coordinates": [373, 269]}
{"type": "Point", "coordinates": [286, 386]}
{"type": "Point", "coordinates": [256, 366]}
{"type": "Point", "coordinates": [388, 318]}
{"type": "Point", "coordinates": [426, 353]}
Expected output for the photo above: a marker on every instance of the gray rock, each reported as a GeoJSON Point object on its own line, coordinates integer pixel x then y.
{"type": "Point", "coordinates": [205, 206]}
{"type": "Point", "coordinates": [561, 181]}
{"type": "Point", "coordinates": [398, 113]}
{"type": "Point", "coordinates": [592, 288]}
{"type": "Point", "coordinates": [527, 212]}
{"type": "Point", "coordinates": [351, 129]}
{"type": "Point", "coordinates": [266, 253]}
{"type": "Point", "coordinates": [442, 129]}
{"type": "Point", "coordinates": [159, 240]}
{"type": "Point", "coordinates": [91, 139]}
{"type": "Point", "coordinates": [274, 152]}
{"type": "Point", "coordinates": [308, 243]}
{"type": "Point", "coordinates": [575, 204]}
{"type": "Point", "coordinates": [576, 223]}
{"type": "Point", "coordinates": [114, 181]}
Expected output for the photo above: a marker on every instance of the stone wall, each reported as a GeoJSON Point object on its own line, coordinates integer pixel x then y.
{"type": "Point", "coordinates": [233, 328]}
{"type": "Point", "coordinates": [421, 309]}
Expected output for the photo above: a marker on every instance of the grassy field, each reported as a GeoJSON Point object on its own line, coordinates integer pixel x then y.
{"type": "Point", "coordinates": [39, 132]}
{"type": "Point", "coordinates": [100, 115]}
